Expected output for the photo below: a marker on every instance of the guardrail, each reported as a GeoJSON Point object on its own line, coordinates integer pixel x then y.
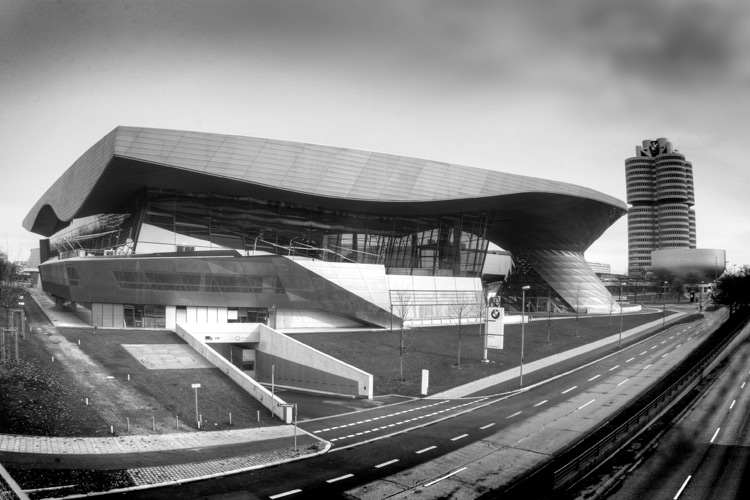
{"type": "Point", "coordinates": [9, 489]}
{"type": "Point", "coordinates": [590, 458]}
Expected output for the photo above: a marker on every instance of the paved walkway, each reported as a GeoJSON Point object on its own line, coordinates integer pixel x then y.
{"type": "Point", "coordinates": [272, 445]}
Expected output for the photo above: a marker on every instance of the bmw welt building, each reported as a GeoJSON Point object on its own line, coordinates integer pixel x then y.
{"type": "Point", "coordinates": [151, 228]}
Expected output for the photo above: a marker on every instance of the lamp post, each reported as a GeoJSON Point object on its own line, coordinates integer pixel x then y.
{"type": "Point", "coordinates": [700, 299]}
{"type": "Point", "coordinates": [523, 324]}
{"type": "Point", "coordinates": [664, 320]}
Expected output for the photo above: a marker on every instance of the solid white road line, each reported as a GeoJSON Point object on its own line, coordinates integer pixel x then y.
{"type": "Point", "coordinates": [347, 476]}
{"type": "Point", "coordinates": [286, 493]}
{"type": "Point", "coordinates": [423, 450]}
{"type": "Point", "coordinates": [682, 488]}
{"type": "Point", "coordinates": [715, 434]}
{"type": "Point", "coordinates": [387, 463]}
{"type": "Point", "coordinates": [568, 390]}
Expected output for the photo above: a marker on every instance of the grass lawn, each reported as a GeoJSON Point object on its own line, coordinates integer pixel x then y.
{"type": "Point", "coordinates": [436, 349]}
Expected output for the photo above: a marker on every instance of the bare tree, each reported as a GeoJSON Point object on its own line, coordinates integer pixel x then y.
{"type": "Point", "coordinates": [612, 301]}
{"type": "Point", "coordinates": [459, 311]}
{"type": "Point", "coordinates": [403, 306]}
{"type": "Point", "coordinates": [577, 305]}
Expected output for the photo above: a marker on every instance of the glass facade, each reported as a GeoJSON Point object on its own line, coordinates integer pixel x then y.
{"type": "Point", "coordinates": [420, 245]}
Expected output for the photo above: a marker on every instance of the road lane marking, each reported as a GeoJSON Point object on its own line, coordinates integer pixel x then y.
{"type": "Point", "coordinates": [514, 415]}
{"type": "Point", "coordinates": [286, 493]}
{"type": "Point", "coordinates": [732, 405]}
{"type": "Point", "coordinates": [584, 406]}
{"type": "Point", "coordinates": [540, 403]}
{"type": "Point", "coordinates": [646, 366]}
{"type": "Point", "coordinates": [664, 355]}
{"type": "Point", "coordinates": [594, 377]}
{"type": "Point", "coordinates": [445, 477]}
{"type": "Point", "coordinates": [487, 426]}
{"type": "Point", "coordinates": [618, 385]}
{"type": "Point", "coordinates": [340, 478]}
{"type": "Point", "coordinates": [568, 390]}
{"type": "Point", "coordinates": [654, 347]}
{"type": "Point", "coordinates": [459, 437]}
{"type": "Point", "coordinates": [715, 434]}
{"type": "Point", "coordinates": [743, 385]}
{"type": "Point", "coordinates": [629, 360]}
{"type": "Point", "coordinates": [644, 352]}
{"type": "Point", "coordinates": [614, 367]}
{"type": "Point", "coordinates": [423, 450]}
{"type": "Point", "coordinates": [389, 462]}
{"type": "Point", "coordinates": [682, 488]}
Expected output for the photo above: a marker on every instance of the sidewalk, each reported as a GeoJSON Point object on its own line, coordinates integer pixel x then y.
{"type": "Point", "coordinates": [235, 450]}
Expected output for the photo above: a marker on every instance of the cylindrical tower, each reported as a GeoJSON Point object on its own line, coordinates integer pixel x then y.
{"type": "Point", "coordinates": [661, 194]}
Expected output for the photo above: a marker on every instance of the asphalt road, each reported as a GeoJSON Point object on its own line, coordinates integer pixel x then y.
{"type": "Point", "coordinates": [441, 447]}
{"type": "Point", "coordinates": [707, 454]}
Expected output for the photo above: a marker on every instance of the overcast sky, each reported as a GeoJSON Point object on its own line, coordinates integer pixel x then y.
{"type": "Point", "coordinates": [560, 90]}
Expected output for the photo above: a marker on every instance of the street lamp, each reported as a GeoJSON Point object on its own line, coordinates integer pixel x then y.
{"type": "Point", "coordinates": [664, 321]}
{"type": "Point", "coordinates": [523, 324]}
{"type": "Point", "coordinates": [700, 299]}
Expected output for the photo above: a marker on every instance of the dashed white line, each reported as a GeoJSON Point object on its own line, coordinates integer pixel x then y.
{"type": "Point", "coordinates": [743, 385]}
{"type": "Point", "coordinates": [644, 352]}
{"type": "Point", "coordinates": [423, 450]}
{"type": "Point", "coordinates": [618, 385]}
{"type": "Point", "coordinates": [664, 355]}
{"type": "Point", "coordinates": [654, 347]}
{"type": "Point", "coordinates": [629, 360]}
{"type": "Point", "coordinates": [732, 405]}
{"type": "Point", "coordinates": [594, 377]}
{"type": "Point", "coordinates": [584, 406]}
{"type": "Point", "coordinates": [568, 390]}
{"type": "Point", "coordinates": [682, 488]}
{"type": "Point", "coordinates": [715, 434]}
{"type": "Point", "coordinates": [487, 426]}
{"type": "Point", "coordinates": [540, 403]}
{"type": "Point", "coordinates": [647, 366]}
{"type": "Point", "coordinates": [286, 493]}
{"type": "Point", "coordinates": [459, 437]}
{"type": "Point", "coordinates": [614, 367]}
{"type": "Point", "coordinates": [340, 478]}
{"type": "Point", "coordinates": [389, 462]}
{"type": "Point", "coordinates": [514, 415]}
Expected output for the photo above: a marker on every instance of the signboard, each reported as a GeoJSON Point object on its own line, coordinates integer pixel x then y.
{"type": "Point", "coordinates": [495, 327]}
{"type": "Point", "coordinates": [195, 386]}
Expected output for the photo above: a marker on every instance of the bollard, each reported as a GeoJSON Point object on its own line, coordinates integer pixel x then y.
{"type": "Point", "coordinates": [128, 421]}
{"type": "Point", "coordinates": [128, 377]}
{"type": "Point", "coordinates": [230, 418]}
{"type": "Point", "coordinates": [94, 329]}
{"type": "Point", "coordinates": [112, 429]}
{"type": "Point", "coordinates": [87, 401]}
{"type": "Point", "coordinates": [153, 423]}
{"type": "Point", "coordinates": [258, 415]}
{"type": "Point", "coordinates": [53, 359]}
{"type": "Point", "coordinates": [79, 341]}
{"type": "Point", "coordinates": [178, 422]}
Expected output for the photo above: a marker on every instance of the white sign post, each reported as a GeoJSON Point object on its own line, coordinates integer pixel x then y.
{"type": "Point", "coordinates": [425, 381]}
{"type": "Point", "coordinates": [495, 328]}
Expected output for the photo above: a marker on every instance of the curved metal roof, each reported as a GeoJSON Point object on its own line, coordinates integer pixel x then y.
{"type": "Point", "coordinates": [531, 211]}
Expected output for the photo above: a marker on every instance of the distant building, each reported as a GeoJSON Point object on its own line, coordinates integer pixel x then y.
{"type": "Point", "coordinates": [661, 217]}
{"type": "Point", "coordinates": [599, 268]}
